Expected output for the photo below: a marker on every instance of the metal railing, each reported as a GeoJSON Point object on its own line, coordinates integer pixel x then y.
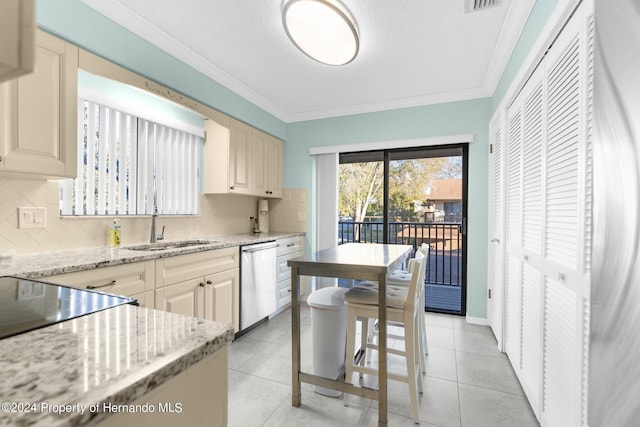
{"type": "Point", "coordinates": [444, 266]}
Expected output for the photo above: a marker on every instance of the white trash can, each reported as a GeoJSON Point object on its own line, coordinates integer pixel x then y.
{"type": "Point", "coordinates": [329, 334]}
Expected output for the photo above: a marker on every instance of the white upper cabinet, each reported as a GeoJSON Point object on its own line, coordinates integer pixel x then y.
{"type": "Point", "coordinates": [227, 156]}
{"type": "Point", "coordinates": [239, 159]}
{"type": "Point", "coordinates": [267, 165]}
{"type": "Point", "coordinates": [17, 27]}
{"type": "Point", "coordinates": [39, 118]}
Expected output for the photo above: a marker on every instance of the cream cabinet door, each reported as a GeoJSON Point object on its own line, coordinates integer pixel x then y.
{"type": "Point", "coordinates": [38, 119]}
{"type": "Point", "coordinates": [17, 28]}
{"type": "Point", "coordinates": [260, 167]}
{"type": "Point", "coordinates": [267, 165]}
{"type": "Point", "coordinates": [182, 298]}
{"type": "Point", "coordinates": [273, 167]}
{"type": "Point", "coordinates": [222, 297]}
{"type": "Point", "coordinates": [239, 158]}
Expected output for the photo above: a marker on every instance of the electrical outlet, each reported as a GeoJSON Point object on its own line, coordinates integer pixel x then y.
{"type": "Point", "coordinates": [30, 217]}
{"type": "Point", "coordinates": [302, 216]}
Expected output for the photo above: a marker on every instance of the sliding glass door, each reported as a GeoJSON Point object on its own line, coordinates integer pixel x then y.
{"type": "Point", "coordinates": [416, 197]}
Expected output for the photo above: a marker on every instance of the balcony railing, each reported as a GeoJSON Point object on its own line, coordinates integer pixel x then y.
{"type": "Point", "coordinates": [444, 266]}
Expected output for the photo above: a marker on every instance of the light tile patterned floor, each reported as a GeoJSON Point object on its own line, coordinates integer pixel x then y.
{"type": "Point", "coordinates": [468, 382]}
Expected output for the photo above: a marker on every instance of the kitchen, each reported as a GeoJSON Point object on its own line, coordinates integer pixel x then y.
{"type": "Point", "coordinates": [295, 212]}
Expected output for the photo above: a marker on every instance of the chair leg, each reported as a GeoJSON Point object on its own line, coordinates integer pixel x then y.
{"type": "Point", "coordinates": [370, 338]}
{"type": "Point", "coordinates": [419, 353]}
{"type": "Point", "coordinates": [411, 345]}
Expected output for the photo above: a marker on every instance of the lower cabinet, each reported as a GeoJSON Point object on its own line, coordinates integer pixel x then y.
{"type": "Point", "coordinates": [182, 298]}
{"type": "Point", "coordinates": [213, 297]}
{"type": "Point", "coordinates": [288, 248]}
{"type": "Point", "coordinates": [203, 284]}
{"type": "Point", "coordinates": [135, 280]}
{"type": "Point", "coordinates": [222, 297]}
{"type": "Point", "coordinates": [201, 391]}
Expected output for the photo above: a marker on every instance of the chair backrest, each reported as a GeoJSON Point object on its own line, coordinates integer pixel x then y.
{"type": "Point", "coordinates": [423, 252]}
{"type": "Point", "coordinates": [417, 268]}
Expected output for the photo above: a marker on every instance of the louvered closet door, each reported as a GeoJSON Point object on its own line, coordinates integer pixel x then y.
{"type": "Point", "coordinates": [513, 225]}
{"type": "Point", "coordinates": [496, 229]}
{"type": "Point", "coordinates": [565, 227]}
{"type": "Point", "coordinates": [530, 369]}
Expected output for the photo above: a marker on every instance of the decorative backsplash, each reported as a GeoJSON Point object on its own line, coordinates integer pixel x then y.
{"type": "Point", "coordinates": [219, 214]}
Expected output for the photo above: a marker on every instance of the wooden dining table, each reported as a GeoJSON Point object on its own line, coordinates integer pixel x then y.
{"type": "Point", "coordinates": [356, 261]}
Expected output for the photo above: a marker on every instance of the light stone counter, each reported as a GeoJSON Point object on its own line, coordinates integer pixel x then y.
{"type": "Point", "coordinates": [51, 263]}
{"type": "Point", "coordinates": [111, 357]}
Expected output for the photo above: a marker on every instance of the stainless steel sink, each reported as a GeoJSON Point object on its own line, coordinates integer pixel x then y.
{"type": "Point", "coordinates": [163, 246]}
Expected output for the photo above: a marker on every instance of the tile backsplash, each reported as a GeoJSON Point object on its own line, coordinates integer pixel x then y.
{"type": "Point", "coordinates": [219, 214]}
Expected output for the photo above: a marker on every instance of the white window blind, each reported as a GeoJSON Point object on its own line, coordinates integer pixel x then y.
{"type": "Point", "coordinates": [127, 165]}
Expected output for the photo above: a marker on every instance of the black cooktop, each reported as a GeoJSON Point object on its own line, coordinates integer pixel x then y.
{"type": "Point", "coordinates": [26, 305]}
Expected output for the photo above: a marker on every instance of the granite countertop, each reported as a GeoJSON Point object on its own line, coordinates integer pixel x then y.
{"type": "Point", "coordinates": [57, 262]}
{"type": "Point", "coordinates": [113, 356]}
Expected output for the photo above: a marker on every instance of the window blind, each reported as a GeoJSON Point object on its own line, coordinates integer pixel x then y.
{"type": "Point", "coordinates": [128, 165]}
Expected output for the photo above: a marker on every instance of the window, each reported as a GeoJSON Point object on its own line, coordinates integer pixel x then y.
{"type": "Point", "coordinates": [128, 165]}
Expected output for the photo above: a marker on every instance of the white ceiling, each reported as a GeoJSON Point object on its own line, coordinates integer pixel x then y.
{"type": "Point", "coordinates": [412, 52]}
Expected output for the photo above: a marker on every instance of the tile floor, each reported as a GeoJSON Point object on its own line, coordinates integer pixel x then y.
{"type": "Point", "coordinates": [468, 382]}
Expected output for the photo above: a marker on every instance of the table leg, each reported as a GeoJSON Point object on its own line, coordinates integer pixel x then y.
{"type": "Point", "coordinates": [382, 347]}
{"type": "Point", "coordinates": [296, 397]}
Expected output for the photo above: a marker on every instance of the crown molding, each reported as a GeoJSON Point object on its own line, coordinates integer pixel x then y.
{"type": "Point", "coordinates": [515, 20]}
{"type": "Point", "coordinates": [138, 25]}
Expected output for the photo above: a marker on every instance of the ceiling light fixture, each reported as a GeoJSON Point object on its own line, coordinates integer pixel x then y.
{"type": "Point", "coordinates": [322, 29]}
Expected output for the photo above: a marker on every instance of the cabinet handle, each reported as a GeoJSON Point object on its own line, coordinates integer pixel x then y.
{"type": "Point", "coordinates": [201, 284]}
{"type": "Point", "coordinates": [291, 244]}
{"type": "Point", "coordinates": [209, 282]}
{"type": "Point", "coordinates": [1, 158]}
{"type": "Point", "coordinates": [231, 188]}
{"type": "Point", "coordinates": [111, 283]}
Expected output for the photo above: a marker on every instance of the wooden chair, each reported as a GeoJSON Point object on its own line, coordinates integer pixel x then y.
{"type": "Point", "coordinates": [405, 307]}
{"type": "Point", "coordinates": [402, 278]}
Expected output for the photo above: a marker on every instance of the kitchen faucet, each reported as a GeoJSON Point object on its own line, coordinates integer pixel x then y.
{"type": "Point", "coordinates": [155, 237]}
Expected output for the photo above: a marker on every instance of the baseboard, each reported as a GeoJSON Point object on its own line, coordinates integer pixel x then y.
{"type": "Point", "coordinates": [477, 321]}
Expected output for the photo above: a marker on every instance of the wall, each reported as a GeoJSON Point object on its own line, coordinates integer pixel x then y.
{"type": "Point", "coordinates": [419, 122]}
{"type": "Point", "coordinates": [220, 214]}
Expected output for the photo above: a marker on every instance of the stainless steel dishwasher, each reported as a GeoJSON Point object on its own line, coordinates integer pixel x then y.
{"type": "Point", "coordinates": [257, 283]}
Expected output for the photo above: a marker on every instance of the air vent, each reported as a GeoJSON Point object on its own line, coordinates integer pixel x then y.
{"type": "Point", "coordinates": [477, 5]}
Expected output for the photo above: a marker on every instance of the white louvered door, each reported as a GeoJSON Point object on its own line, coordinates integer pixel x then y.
{"type": "Point", "coordinates": [496, 229]}
{"type": "Point", "coordinates": [533, 98]}
{"type": "Point", "coordinates": [513, 225]}
{"type": "Point", "coordinates": [567, 224]}
{"type": "Point", "coordinates": [548, 181]}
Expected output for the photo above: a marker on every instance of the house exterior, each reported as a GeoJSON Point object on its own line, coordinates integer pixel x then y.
{"type": "Point", "coordinates": [444, 201]}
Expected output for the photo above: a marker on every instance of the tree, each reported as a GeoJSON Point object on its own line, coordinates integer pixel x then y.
{"type": "Point", "coordinates": [360, 185]}
{"type": "Point", "coordinates": [408, 181]}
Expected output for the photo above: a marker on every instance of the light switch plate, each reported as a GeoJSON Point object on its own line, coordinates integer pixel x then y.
{"type": "Point", "coordinates": [31, 217]}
